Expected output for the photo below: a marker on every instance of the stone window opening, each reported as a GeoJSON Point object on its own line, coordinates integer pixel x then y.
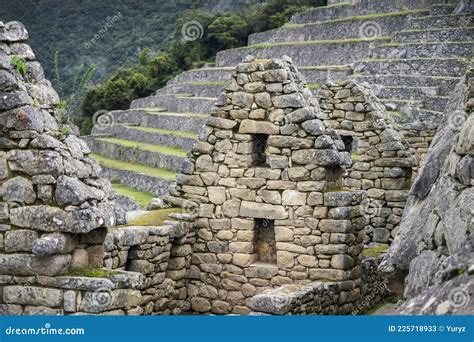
{"type": "Point", "coordinates": [259, 149]}
{"type": "Point", "coordinates": [265, 243]}
{"type": "Point", "coordinates": [348, 141]}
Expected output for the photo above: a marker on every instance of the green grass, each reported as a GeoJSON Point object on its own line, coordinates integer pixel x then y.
{"type": "Point", "coordinates": [142, 198]}
{"type": "Point", "coordinates": [435, 29]}
{"type": "Point", "coordinates": [375, 251]}
{"type": "Point", "coordinates": [154, 218]}
{"type": "Point", "coordinates": [423, 43]}
{"type": "Point", "coordinates": [326, 67]}
{"type": "Point", "coordinates": [92, 273]}
{"type": "Point", "coordinates": [359, 18]}
{"type": "Point", "coordinates": [355, 156]}
{"type": "Point", "coordinates": [314, 42]}
{"type": "Point", "coordinates": [172, 151]}
{"type": "Point", "coordinates": [183, 134]}
{"type": "Point", "coordinates": [415, 59]}
{"type": "Point", "coordinates": [138, 168]}
{"type": "Point", "coordinates": [314, 86]}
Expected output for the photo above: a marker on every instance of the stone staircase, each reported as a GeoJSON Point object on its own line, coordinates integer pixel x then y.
{"type": "Point", "coordinates": [411, 52]}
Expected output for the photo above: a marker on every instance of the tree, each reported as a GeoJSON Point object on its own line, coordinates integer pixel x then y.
{"type": "Point", "coordinates": [228, 31]}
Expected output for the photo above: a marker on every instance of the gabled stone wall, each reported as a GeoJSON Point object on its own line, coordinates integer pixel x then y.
{"type": "Point", "coordinates": [266, 194]}
{"type": "Point", "coordinates": [57, 214]}
{"type": "Point", "coordinates": [382, 160]}
{"type": "Point", "coordinates": [55, 207]}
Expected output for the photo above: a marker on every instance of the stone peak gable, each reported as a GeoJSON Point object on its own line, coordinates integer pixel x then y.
{"type": "Point", "coordinates": [269, 99]}
{"type": "Point", "coordinates": [53, 201]}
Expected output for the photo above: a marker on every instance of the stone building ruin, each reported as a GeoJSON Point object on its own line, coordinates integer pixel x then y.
{"type": "Point", "coordinates": [383, 163]}
{"type": "Point", "coordinates": [279, 194]}
{"type": "Point", "coordinates": [267, 180]}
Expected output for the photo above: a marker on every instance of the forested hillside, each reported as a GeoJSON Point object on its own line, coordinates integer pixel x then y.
{"type": "Point", "coordinates": [106, 33]}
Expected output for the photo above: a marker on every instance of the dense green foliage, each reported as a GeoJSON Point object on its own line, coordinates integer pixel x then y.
{"type": "Point", "coordinates": [108, 34]}
{"type": "Point", "coordinates": [199, 35]}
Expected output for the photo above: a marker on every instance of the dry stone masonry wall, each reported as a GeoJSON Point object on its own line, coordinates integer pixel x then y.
{"type": "Point", "coordinates": [266, 193]}
{"type": "Point", "coordinates": [382, 160]}
{"type": "Point", "coordinates": [56, 214]}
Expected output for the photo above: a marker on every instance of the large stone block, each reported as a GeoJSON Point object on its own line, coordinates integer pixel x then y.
{"type": "Point", "coordinates": [28, 264]}
{"type": "Point", "coordinates": [18, 189]}
{"type": "Point", "coordinates": [293, 197]}
{"type": "Point", "coordinates": [258, 127]}
{"type": "Point", "coordinates": [30, 295]}
{"type": "Point", "coordinates": [318, 157]}
{"type": "Point", "coordinates": [20, 240]}
{"type": "Point", "coordinates": [262, 210]}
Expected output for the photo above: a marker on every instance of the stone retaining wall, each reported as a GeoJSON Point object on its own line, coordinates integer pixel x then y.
{"type": "Point", "coordinates": [324, 298]}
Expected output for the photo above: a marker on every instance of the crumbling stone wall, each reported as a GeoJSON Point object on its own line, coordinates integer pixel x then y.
{"type": "Point", "coordinates": [157, 257]}
{"type": "Point", "coordinates": [55, 208]}
{"type": "Point", "coordinates": [382, 160]}
{"type": "Point", "coordinates": [265, 164]}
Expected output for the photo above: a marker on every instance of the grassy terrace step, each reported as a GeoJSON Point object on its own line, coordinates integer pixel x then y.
{"type": "Point", "coordinates": [348, 27]}
{"type": "Point", "coordinates": [445, 84]}
{"type": "Point", "coordinates": [146, 147]}
{"type": "Point", "coordinates": [183, 140]}
{"type": "Point", "coordinates": [415, 96]}
{"type": "Point", "coordinates": [142, 198]}
{"type": "Point", "coordinates": [413, 66]}
{"type": "Point", "coordinates": [345, 10]}
{"type": "Point", "coordinates": [190, 122]}
{"type": "Point", "coordinates": [404, 92]}
{"type": "Point", "coordinates": [319, 52]}
{"type": "Point", "coordinates": [451, 34]}
{"type": "Point", "coordinates": [134, 168]}
{"type": "Point", "coordinates": [417, 109]}
{"type": "Point", "coordinates": [162, 157]}
{"type": "Point", "coordinates": [222, 74]}
{"type": "Point", "coordinates": [177, 103]}
{"type": "Point", "coordinates": [324, 73]}
{"type": "Point", "coordinates": [199, 89]}
{"type": "Point", "coordinates": [424, 50]}
{"type": "Point", "coordinates": [411, 117]}
{"type": "Point", "coordinates": [137, 176]}
{"type": "Point", "coordinates": [439, 21]}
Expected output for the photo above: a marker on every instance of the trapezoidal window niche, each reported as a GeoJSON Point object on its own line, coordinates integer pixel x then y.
{"type": "Point", "coordinates": [259, 149]}
{"type": "Point", "coordinates": [265, 244]}
{"type": "Point", "coordinates": [348, 141]}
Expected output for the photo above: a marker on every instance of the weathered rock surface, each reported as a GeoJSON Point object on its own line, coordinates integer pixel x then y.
{"type": "Point", "coordinates": [434, 243]}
